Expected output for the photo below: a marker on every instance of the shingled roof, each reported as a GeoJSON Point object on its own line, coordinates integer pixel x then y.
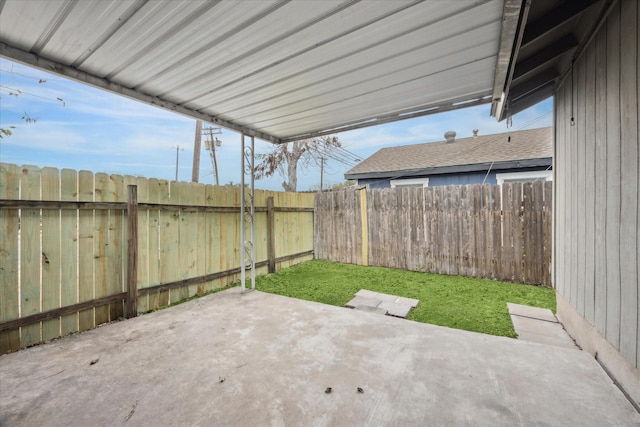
{"type": "Point", "coordinates": [525, 148]}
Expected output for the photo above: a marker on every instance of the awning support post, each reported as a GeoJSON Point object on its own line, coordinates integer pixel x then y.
{"type": "Point", "coordinates": [247, 214]}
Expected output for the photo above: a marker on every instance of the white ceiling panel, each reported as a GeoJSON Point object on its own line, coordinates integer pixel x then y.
{"type": "Point", "coordinates": [393, 99]}
{"type": "Point", "coordinates": [330, 90]}
{"type": "Point", "coordinates": [135, 42]}
{"type": "Point", "coordinates": [424, 48]}
{"type": "Point", "coordinates": [277, 70]}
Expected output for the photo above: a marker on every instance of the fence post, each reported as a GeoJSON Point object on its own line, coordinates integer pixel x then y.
{"type": "Point", "coordinates": [271, 243]}
{"type": "Point", "coordinates": [132, 259]}
{"type": "Point", "coordinates": [365, 226]}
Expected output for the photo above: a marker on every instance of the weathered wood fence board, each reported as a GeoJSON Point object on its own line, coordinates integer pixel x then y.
{"type": "Point", "coordinates": [499, 232]}
{"type": "Point", "coordinates": [64, 255]}
{"type": "Point", "coordinates": [69, 249]}
{"type": "Point", "coordinates": [85, 250]}
{"type": "Point", "coordinates": [51, 253]}
{"type": "Point", "coordinates": [30, 254]}
{"type": "Point", "coordinates": [9, 257]}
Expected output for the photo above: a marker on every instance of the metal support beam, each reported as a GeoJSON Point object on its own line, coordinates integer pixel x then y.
{"type": "Point", "coordinates": [546, 55]}
{"type": "Point", "coordinates": [514, 18]}
{"type": "Point", "coordinates": [532, 84]}
{"type": "Point", "coordinates": [463, 102]}
{"type": "Point", "coordinates": [532, 98]}
{"type": "Point", "coordinates": [247, 215]}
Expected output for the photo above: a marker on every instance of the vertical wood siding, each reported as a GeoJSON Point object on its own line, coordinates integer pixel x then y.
{"type": "Point", "coordinates": [597, 183]}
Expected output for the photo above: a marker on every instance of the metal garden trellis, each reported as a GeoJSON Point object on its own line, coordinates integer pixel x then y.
{"type": "Point", "coordinates": [247, 212]}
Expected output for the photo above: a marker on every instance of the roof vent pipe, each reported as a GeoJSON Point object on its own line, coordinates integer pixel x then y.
{"type": "Point", "coordinates": [450, 136]}
{"type": "Point", "coordinates": [475, 133]}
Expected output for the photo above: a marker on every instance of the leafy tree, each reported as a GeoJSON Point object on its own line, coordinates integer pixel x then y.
{"type": "Point", "coordinates": [284, 158]}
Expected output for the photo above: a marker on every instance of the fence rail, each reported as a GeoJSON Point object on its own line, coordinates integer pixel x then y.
{"type": "Point", "coordinates": [65, 260]}
{"type": "Point", "coordinates": [499, 232]}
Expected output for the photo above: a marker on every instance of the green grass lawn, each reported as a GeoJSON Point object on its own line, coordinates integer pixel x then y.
{"type": "Point", "coordinates": [478, 305]}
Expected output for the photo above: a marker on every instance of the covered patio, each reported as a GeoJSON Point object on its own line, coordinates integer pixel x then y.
{"type": "Point", "coordinates": [262, 359]}
{"type": "Point", "coordinates": [242, 359]}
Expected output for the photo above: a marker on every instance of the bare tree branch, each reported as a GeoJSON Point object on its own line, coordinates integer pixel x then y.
{"type": "Point", "coordinates": [284, 159]}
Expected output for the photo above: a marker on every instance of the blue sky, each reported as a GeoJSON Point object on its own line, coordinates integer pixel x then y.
{"type": "Point", "coordinates": [91, 129]}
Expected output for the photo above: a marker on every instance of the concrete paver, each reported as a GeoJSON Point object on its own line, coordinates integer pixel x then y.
{"type": "Point", "coordinates": [409, 301]}
{"type": "Point", "coordinates": [533, 312]}
{"type": "Point", "coordinates": [370, 309]}
{"type": "Point", "coordinates": [385, 297]}
{"type": "Point", "coordinates": [260, 359]}
{"type": "Point", "coordinates": [366, 293]}
{"type": "Point", "coordinates": [395, 309]}
{"type": "Point", "coordinates": [391, 304]}
{"type": "Point", "coordinates": [539, 325]}
{"type": "Point", "coordinates": [359, 300]}
{"type": "Point", "coordinates": [541, 331]}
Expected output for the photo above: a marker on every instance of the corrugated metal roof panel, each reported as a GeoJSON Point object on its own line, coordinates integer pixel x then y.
{"type": "Point", "coordinates": [284, 69]}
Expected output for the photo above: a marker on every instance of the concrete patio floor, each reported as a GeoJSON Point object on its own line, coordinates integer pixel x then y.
{"type": "Point", "coordinates": [259, 359]}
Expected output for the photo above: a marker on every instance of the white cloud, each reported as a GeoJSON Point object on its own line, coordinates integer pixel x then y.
{"type": "Point", "coordinates": [432, 128]}
{"type": "Point", "coordinates": [51, 136]}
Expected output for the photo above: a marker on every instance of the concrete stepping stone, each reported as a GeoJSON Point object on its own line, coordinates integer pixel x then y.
{"type": "Point", "coordinates": [386, 297]}
{"type": "Point", "coordinates": [532, 312]}
{"type": "Point", "coordinates": [375, 302]}
{"type": "Point", "coordinates": [538, 325]}
{"type": "Point", "coordinates": [365, 293]}
{"type": "Point", "coordinates": [395, 309]}
{"type": "Point", "coordinates": [359, 300]}
{"type": "Point", "coordinates": [369, 309]}
{"type": "Point", "coordinates": [408, 301]}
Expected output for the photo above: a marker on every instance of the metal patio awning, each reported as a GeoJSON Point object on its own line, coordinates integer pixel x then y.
{"type": "Point", "coordinates": [286, 70]}
{"type": "Point", "coordinates": [276, 70]}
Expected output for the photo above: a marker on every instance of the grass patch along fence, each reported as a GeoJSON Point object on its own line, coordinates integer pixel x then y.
{"type": "Point", "coordinates": [478, 305]}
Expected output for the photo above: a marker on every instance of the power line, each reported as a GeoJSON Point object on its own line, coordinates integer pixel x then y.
{"type": "Point", "coordinates": [335, 154]}
{"type": "Point", "coordinates": [348, 155]}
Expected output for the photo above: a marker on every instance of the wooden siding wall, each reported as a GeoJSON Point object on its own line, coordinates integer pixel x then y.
{"type": "Point", "coordinates": [597, 174]}
{"type": "Point", "coordinates": [498, 232]}
{"type": "Point", "coordinates": [53, 256]}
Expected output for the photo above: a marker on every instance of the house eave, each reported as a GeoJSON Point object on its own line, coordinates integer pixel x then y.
{"type": "Point", "coordinates": [440, 170]}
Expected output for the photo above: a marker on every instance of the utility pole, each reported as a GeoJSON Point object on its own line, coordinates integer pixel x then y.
{"type": "Point", "coordinates": [197, 144]}
{"type": "Point", "coordinates": [215, 163]}
{"type": "Point", "coordinates": [178, 149]}
{"type": "Point", "coordinates": [322, 159]}
{"type": "Point", "coordinates": [211, 143]}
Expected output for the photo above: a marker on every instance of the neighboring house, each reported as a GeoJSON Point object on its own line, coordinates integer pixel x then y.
{"type": "Point", "coordinates": [524, 155]}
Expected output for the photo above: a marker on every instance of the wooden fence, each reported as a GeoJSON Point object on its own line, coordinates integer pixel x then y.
{"type": "Point", "coordinates": [498, 232]}
{"type": "Point", "coordinates": [65, 261]}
